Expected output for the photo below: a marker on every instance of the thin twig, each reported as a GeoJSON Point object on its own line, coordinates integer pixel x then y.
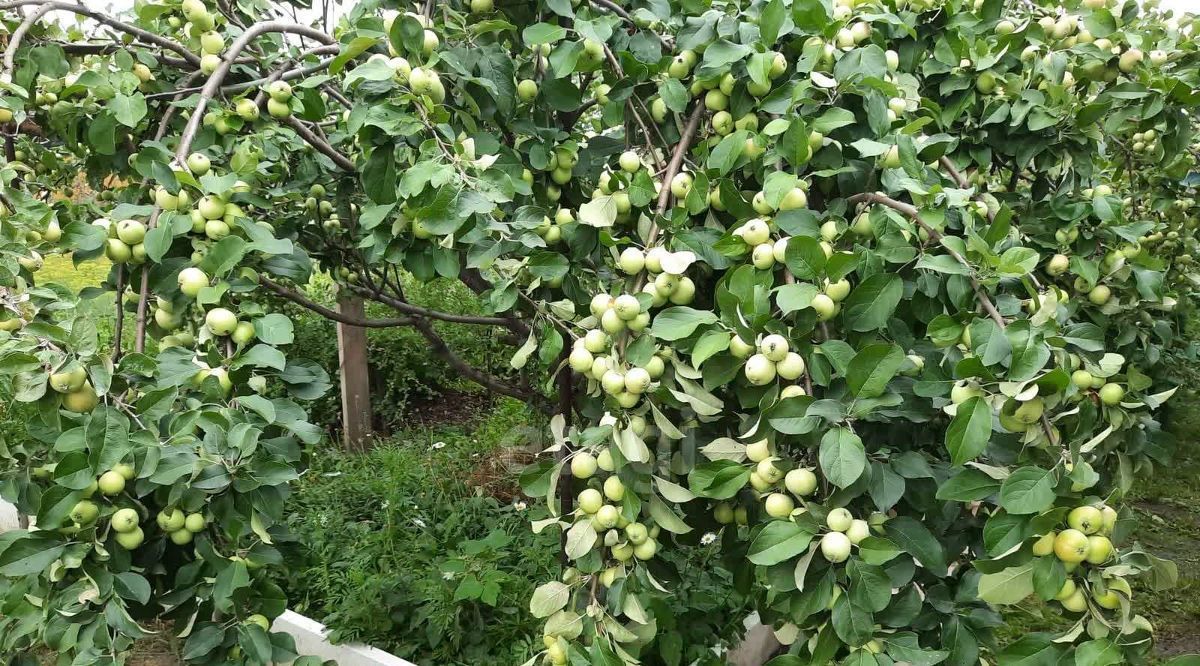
{"type": "Point", "coordinates": [343, 162]}
{"type": "Point", "coordinates": [416, 310]}
{"type": "Point", "coordinates": [102, 18]}
{"type": "Point", "coordinates": [120, 325]}
{"type": "Point", "coordinates": [14, 41]}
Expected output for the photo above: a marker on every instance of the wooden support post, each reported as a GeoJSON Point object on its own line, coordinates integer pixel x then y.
{"type": "Point", "coordinates": [356, 380]}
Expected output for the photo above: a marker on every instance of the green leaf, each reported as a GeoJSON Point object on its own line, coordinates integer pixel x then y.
{"type": "Point", "coordinates": [1028, 490]}
{"type": "Point", "coordinates": [549, 598]}
{"type": "Point", "coordinates": [779, 541]}
{"type": "Point", "coordinates": [968, 485]}
{"type": "Point", "coordinates": [916, 540]}
{"type": "Point", "coordinates": [871, 304]}
{"type": "Point", "coordinates": [30, 553]}
{"type": "Point", "coordinates": [274, 329]}
{"type": "Point", "coordinates": [870, 588]}
{"type": "Point", "coordinates": [872, 368]}
{"type": "Point", "coordinates": [804, 257]}
{"type": "Point", "coordinates": [718, 479]}
{"type": "Point", "coordinates": [855, 626]}
{"type": "Point", "coordinates": [598, 212]}
{"type": "Point", "coordinates": [1007, 586]}
{"type": "Point", "coordinates": [842, 457]}
{"type": "Point", "coordinates": [676, 323]}
{"type": "Point", "coordinates": [205, 638]}
{"type": "Point", "coordinates": [128, 109]}
{"type": "Point", "coordinates": [543, 33]}
{"type": "Point", "coordinates": [969, 432]}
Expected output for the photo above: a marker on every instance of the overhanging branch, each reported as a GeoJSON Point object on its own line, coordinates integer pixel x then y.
{"type": "Point", "coordinates": [330, 313]}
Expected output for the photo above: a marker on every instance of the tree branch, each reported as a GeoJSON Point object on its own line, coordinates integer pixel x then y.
{"type": "Point", "coordinates": [608, 5]}
{"type": "Point", "coordinates": [289, 75]}
{"type": "Point", "coordinates": [14, 41]}
{"type": "Point", "coordinates": [322, 146]}
{"type": "Point", "coordinates": [418, 311]}
{"type": "Point", "coordinates": [330, 313]}
{"type": "Point", "coordinates": [439, 347]}
{"type": "Point", "coordinates": [139, 340]}
{"type": "Point", "coordinates": [120, 324]}
{"type": "Point", "coordinates": [685, 142]}
{"type": "Point", "coordinates": [104, 19]}
{"type": "Point", "coordinates": [911, 212]}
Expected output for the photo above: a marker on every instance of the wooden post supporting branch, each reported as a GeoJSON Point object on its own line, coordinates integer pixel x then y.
{"type": "Point", "coordinates": [356, 380]}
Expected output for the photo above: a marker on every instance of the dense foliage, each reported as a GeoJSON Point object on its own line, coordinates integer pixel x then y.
{"type": "Point", "coordinates": [869, 292]}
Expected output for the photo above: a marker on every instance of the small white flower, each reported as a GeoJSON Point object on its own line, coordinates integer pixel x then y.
{"type": "Point", "coordinates": [447, 575]}
{"type": "Point", "coordinates": [438, 445]}
{"type": "Point", "coordinates": [419, 523]}
{"type": "Point", "coordinates": [384, 505]}
{"type": "Point", "coordinates": [708, 538]}
{"type": "Point", "coordinates": [519, 506]}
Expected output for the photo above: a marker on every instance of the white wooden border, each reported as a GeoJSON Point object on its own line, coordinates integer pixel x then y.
{"type": "Point", "coordinates": [310, 640]}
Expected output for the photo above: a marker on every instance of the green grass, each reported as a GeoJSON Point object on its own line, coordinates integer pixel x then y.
{"type": "Point", "coordinates": [59, 268]}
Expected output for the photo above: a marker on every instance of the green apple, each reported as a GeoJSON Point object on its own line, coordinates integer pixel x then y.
{"type": "Point", "coordinates": [759, 370]}
{"type": "Point", "coordinates": [824, 306]}
{"type": "Point", "coordinates": [583, 465]}
{"type": "Point", "coordinates": [1045, 545]}
{"type": "Point", "coordinates": [1058, 265]}
{"type": "Point", "coordinates": [131, 539]}
{"type": "Point", "coordinates": [81, 401]}
{"type": "Point", "coordinates": [800, 482]}
{"type": "Point", "coordinates": [181, 537]}
{"type": "Point", "coordinates": [645, 550]}
{"type": "Point", "coordinates": [216, 229]}
{"type": "Point", "coordinates": [837, 291]}
{"type": "Point", "coordinates": [891, 158]}
{"type": "Point", "coordinates": [614, 490]}
{"type": "Point", "coordinates": [1109, 600]}
{"type": "Point", "coordinates": [69, 379]}
{"type": "Point", "coordinates": [637, 380]}
{"type": "Point", "coordinates": [211, 207]}
{"type": "Point", "coordinates": [835, 547]}
{"type": "Point", "coordinates": [1111, 394]}
{"type": "Point", "coordinates": [220, 321]}
{"type": "Point", "coordinates": [131, 232]}
{"type": "Point", "coordinates": [212, 42]}
{"type": "Point", "coordinates": [243, 333]}
{"type": "Point", "coordinates": [1099, 294]}
{"type": "Point", "coordinates": [1129, 60]}
{"type": "Point", "coordinates": [681, 184]}
{"type": "Point", "coordinates": [278, 109]}
{"type": "Point", "coordinates": [722, 513]}
{"type": "Point", "coordinates": [1076, 602]}
{"type": "Point", "coordinates": [281, 91]}
{"type": "Point", "coordinates": [1086, 519]}
{"type": "Point", "coordinates": [191, 280]}
{"type": "Point", "coordinates": [85, 512]}
{"type": "Point", "coordinates": [527, 90]}
{"type": "Point", "coordinates": [839, 520]}
{"type": "Point", "coordinates": [111, 483]}
{"type": "Point", "coordinates": [1071, 546]}
{"type": "Point", "coordinates": [779, 505]}
{"type": "Point", "coordinates": [247, 109]}
{"type": "Point", "coordinates": [859, 529]}
{"type": "Point", "coordinates": [1099, 549]}
{"type": "Point", "coordinates": [758, 451]}
{"type": "Point", "coordinates": [195, 523]}
{"type": "Point", "coordinates": [1109, 521]}
{"type": "Point", "coordinates": [198, 164]}
{"type": "Point", "coordinates": [1082, 379]}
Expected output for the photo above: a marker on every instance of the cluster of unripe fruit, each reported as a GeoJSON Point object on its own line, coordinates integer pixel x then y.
{"type": "Point", "coordinates": [772, 358]}
{"type": "Point", "coordinates": [1086, 539]}
{"type": "Point", "coordinates": [625, 539]}
{"type": "Point", "coordinates": [77, 393]}
{"type": "Point", "coordinates": [201, 28]}
{"type": "Point", "coordinates": [110, 484]}
{"type": "Point", "coordinates": [590, 353]}
{"type": "Point", "coordinates": [661, 286]}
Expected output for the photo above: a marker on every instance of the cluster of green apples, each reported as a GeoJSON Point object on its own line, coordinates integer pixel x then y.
{"type": "Point", "coordinates": [77, 394]}
{"type": "Point", "coordinates": [597, 355]}
{"type": "Point", "coordinates": [770, 359]}
{"type": "Point", "coordinates": [180, 527]}
{"type": "Point", "coordinates": [599, 502]}
{"type": "Point", "coordinates": [422, 80]}
{"type": "Point", "coordinates": [109, 484]}
{"type": "Point", "coordinates": [1085, 541]}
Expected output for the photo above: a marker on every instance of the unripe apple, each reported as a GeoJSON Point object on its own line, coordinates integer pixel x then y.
{"type": "Point", "coordinates": [111, 483]}
{"type": "Point", "coordinates": [835, 547]}
{"type": "Point", "coordinates": [891, 159]}
{"type": "Point", "coordinates": [637, 380]}
{"type": "Point", "coordinates": [824, 306]}
{"type": "Point", "coordinates": [278, 109]}
{"type": "Point", "coordinates": [614, 490]}
{"type": "Point", "coordinates": [645, 550]}
{"type": "Point", "coordinates": [68, 380]}
{"type": "Point", "coordinates": [131, 232]}
{"type": "Point", "coordinates": [630, 162]}
{"type": "Point", "coordinates": [1111, 394]}
{"type": "Point", "coordinates": [791, 367]}
{"type": "Point", "coordinates": [800, 482]}
{"type": "Point", "coordinates": [1045, 545]}
{"type": "Point", "coordinates": [1129, 60]}
{"type": "Point", "coordinates": [611, 322]}
{"type": "Point", "coordinates": [220, 321]}
{"type": "Point", "coordinates": [613, 382]}
{"type": "Point", "coordinates": [1109, 521]}
{"type": "Point", "coordinates": [1099, 549]}
{"type": "Point", "coordinates": [131, 539]}
{"type": "Point", "coordinates": [627, 306]}
{"type": "Point", "coordinates": [430, 42]}
{"type": "Point", "coordinates": [859, 529]}
{"type": "Point", "coordinates": [658, 110]}
{"type": "Point", "coordinates": [774, 347]}
{"type": "Point", "coordinates": [837, 291]}
{"type": "Point", "coordinates": [722, 513]}
{"type": "Point", "coordinates": [758, 451]}
{"type": "Point", "coordinates": [482, 6]}
{"type": "Point", "coordinates": [216, 229]}
{"type": "Point", "coordinates": [85, 512]}
{"type": "Point", "coordinates": [590, 500]}
{"type": "Point", "coordinates": [580, 360]}
{"type": "Point", "coordinates": [839, 520]}
{"type": "Point", "coordinates": [595, 341]}
{"type": "Point", "coordinates": [681, 184]}
{"type": "Point", "coordinates": [1071, 546]}
{"type": "Point", "coordinates": [632, 261]}
{"type": "Point", "coordinates": [211, 207]}
{"type": "Point", "coordinates": [763, 256]}
{"type": "Point", "coordinates": [723, 123]}
{"type": "Point", "coordinates": [1075, 602]}
{"type": "Point", "coordinates": [243, 333]}
{"type": "Point", "coordinates": [81, 401]}
{"type": "Point", "coordinates": [759, 370]}
{"type": "Point", "coordinates": [1058, 265]}
{"type": "Point", "coordinates": [1086, 519]}
{"type": "Point", "coordinates": [754, 232]}
{"type": "Point", "coordinates": [666, 283]}
{"type": "Point", "coordinates": [759, 483]}
{"type": "Point", "coordinates": [1099, 294]}
{"type": "Point", "coordinates": [779, 505]}
{"type": "Point", "coordinates": [583, 465]}
{"type": "Point", "coordinates": [212, 42]}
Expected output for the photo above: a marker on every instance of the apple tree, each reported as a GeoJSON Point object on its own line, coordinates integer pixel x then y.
{"type": "Point", "coordinates": [874, 293]}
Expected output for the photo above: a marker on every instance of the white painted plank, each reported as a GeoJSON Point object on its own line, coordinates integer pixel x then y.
{"type": "Point", "coordinates": [310, 640]}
